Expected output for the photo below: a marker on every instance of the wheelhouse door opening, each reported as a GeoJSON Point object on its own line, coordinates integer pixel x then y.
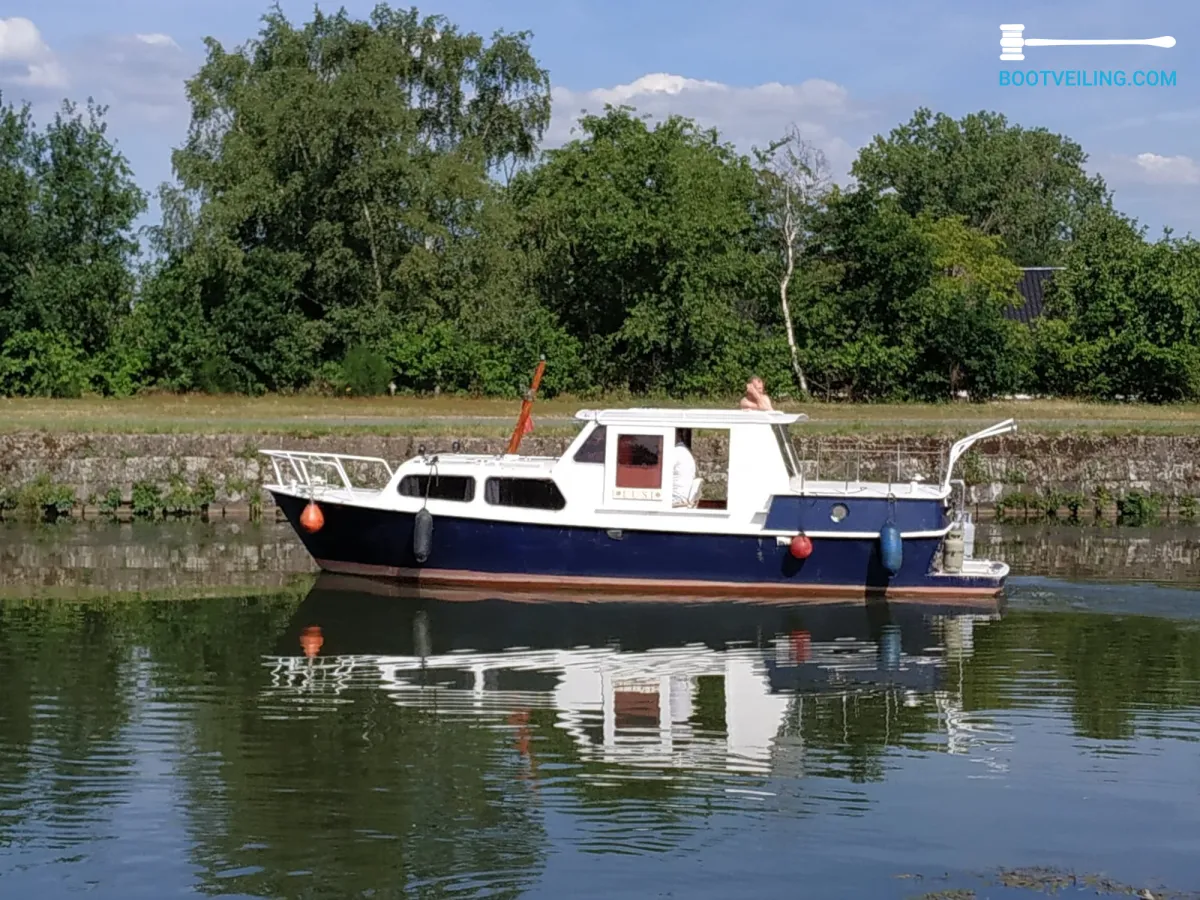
{"type": "Point", "coordinates": [710, 447]}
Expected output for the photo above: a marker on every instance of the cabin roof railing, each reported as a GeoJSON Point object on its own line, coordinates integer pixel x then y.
{"type": "Point", "coordinates": [689, 418]}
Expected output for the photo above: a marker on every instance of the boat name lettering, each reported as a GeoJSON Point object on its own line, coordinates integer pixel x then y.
{"type": "Point", "coordinates": [636, 494]}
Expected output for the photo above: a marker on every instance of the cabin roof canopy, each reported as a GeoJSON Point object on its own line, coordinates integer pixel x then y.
{"type": "Point", "coordinates": [689, 418]}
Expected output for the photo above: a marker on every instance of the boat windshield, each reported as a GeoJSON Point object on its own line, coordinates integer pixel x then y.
{"type": "Point", "coordinates": [790, 459]}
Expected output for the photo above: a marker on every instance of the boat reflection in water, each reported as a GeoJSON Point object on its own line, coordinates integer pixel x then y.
{"type": "Point", "coordinates": [633, 681]}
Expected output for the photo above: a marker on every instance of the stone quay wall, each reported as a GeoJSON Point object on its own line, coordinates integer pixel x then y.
{"type": "Point", "coordinates": [1042, 465]}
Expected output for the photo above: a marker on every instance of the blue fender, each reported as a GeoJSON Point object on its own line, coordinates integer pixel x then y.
{"type": "Point", "coordinates": [422, 535]}
{"type": "Point", "coordinates": [891, 548]}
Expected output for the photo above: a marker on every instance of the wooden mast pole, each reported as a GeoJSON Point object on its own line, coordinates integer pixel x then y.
{"type": "Point", "coordinates": [514, 443]}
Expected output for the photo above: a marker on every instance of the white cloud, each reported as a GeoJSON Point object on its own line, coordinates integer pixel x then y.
{"type": "Point", "coordinates": [1155, 169]}
{"type": "Point", "coordinates": [140, 76]}
{"type": "Point", "coordinates": [26, 59]}
{"type": "Point", "coordinates": [160, 40]}
{"type": "Point", "coordinates": [20, 40]}
{"type": "Point", "coordinates": [824, 111]}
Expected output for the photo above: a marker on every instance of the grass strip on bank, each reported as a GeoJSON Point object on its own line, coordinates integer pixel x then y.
{"type": "Point", "coordinates": [302, 415]}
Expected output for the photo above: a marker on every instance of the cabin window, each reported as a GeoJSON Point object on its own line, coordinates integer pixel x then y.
{"type": "Point", "coordinates": [526, 493]}
{"type": "Point", "coordinates": [438, 487]}
{"type": "Point", "coordinates": [839, 512]}
{"type": "Point", "coordinates": [592, 449]}
{"type": "Point", "coordinates": [790, 460]}
{"type": "Point", "coordinates": [639, 461]}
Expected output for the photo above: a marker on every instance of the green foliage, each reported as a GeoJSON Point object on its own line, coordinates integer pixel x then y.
{"type": "Point", "coordinates": [250, 491]}
{"type": "Point", "coordinates": [43, 500]}
{"type": "Point", "coordinates": [217, 375]}
{"type": "Point", "coordinates": [120, 369]}
{"type": "Point", "coordinates": [110, 502]}
{"type": "Point", "coordinates": [1053, 503]}
{"type": "Point", "coordinates": [913, 307]}
{"type": "Point", "coordinates": [1026, 186]}
{"type": "Point", "coordinates": [1014, 473]}
{"type": "Point", "coordinates": [642, 242]}
{"type": "Point", "coordinates": [365, 372]}
{"type": "Point", "coordinates": [203, 493]}
{"type": "Point", "coordinates": [254, 503]}
{"type": "Point", "coordinates": [361, 201]}
{"type": "Point", "coordinates": [1123, 318]}
{"type": "Point", "coordinates": [1139, 508]}
{"type": "Point", "coordinates": [1188, 509]}
{"type": "Point", "coordinates": [1074, 502]}
{"type": "Point", "coordinates": [147, 500]}
{"type": "Point", "coordinates": [351, 195]}
{"type": "Point", "coordinates": [183, 500]}
{"type": "Point", "coordinates": [69, 202]}
{"type": "Point", "coordinates": [445, 359]}
{"type": "Point", "coordinates": [43, 364]}
{"type": "Point", "coordinates": [972, 468]}
{"type": "Point", "coordinates": [1009, 504]}
{"type": "Point", "coordinates": [1048, 505]}
{"type": "Point", "coordinates": [969, 344]}
{"type": "Point", "coordinates": [180, 500]}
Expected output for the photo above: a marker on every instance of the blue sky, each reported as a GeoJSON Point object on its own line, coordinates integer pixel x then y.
{"type": "Point", "coordinates": [843, 71]}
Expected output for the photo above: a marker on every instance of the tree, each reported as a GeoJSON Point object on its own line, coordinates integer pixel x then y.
{"type": "Point", "coordinates": [1123, 318]}
{"type": "Point", "coordinates": [332, 179]}
{"type": "Point", "coordinates": [18, 193]}
{"type": "Point", "coordinates": [913, 306]}
{"type": "Point", "coordinates": [68, 203]}
{"type": "Point", "coordinates": [87, 205]}
{"type": "Point", "coordinates": [795, 178]}
{"type": "Point", "coordinates": [642, 241]}
{"type": "Point", "coordinates": [969, 344]}
{"type": "Point", "coordinates": [1026, 186]}
{"type": "Point", "coordinates": [362, 202]}
{"type": "Point", "coordinates": [490, 326]}
{"type": "Point", "coordinates": [862, 338]}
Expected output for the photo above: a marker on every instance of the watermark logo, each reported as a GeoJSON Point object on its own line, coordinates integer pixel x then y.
{"type": "Point", "coordinates": [1081, 78]}
{"type": "Point", "coordinates": [1013, 41]}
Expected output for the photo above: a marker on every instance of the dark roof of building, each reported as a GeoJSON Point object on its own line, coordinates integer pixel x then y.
{"type": "Point", "coordinates": [1032, 288]}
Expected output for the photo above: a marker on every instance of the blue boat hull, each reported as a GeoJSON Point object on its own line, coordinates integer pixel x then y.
{"type": "Point", "coordinates": [365, 541]}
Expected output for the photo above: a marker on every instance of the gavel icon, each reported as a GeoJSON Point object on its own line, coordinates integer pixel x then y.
{"type": "Point", "coordinates": [1013, 40]}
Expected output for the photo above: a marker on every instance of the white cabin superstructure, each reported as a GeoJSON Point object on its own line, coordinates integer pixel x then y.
{"type": "Point", "coordinates": [609, 507]}
{"type": "Point", "coordinates": [617, 472]}
{"type": "Point", "coordinates": [619, 468]}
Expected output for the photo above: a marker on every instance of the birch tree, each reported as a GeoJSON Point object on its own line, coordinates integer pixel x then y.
{"type": "Point", "coordinates": [794, 176]}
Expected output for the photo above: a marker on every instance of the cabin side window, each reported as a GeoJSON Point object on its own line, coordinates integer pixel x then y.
{"type": "Point", "coordinates": [639, 461]}
{"type": "Point", "coordinates": [526, 493]}
{"type": "Point", "coordinates": [592, 449]}
{"type": "Point", "coordinates": [438, 487]}
{"type": "Point", "coordinates": [788, 449]}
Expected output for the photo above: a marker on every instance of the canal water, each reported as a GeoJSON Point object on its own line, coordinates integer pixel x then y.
{"type": "Point", "coordinates": [187, 710]}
